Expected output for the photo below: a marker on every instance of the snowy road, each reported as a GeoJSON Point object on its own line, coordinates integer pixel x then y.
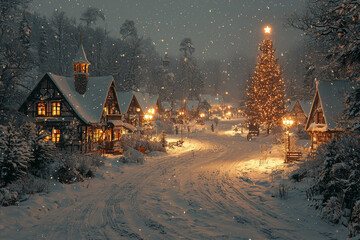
{"type": "Point", "coordinates": [215, 187]}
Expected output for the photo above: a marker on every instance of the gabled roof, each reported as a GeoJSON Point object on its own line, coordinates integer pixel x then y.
{"type": "Point", "coordinates": [81, 56]}
{"type": "Point", "coordinates": [166, 106]}
{"type": "Point", "coordinates": [305, 105]}
{"type": "Point", "coordinates": [88, 106]}
{"type": "Point", "coordinates": [192, 104]}
{"type": "Point", "coordinates": [124, 99]}
{"type": "Point", "coordinates": [332, 96]}
{"type": "Point", "coordinates": [146, 100]}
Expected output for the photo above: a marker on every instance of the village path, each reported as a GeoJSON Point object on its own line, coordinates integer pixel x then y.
{"type": "Point", "coordinates": [215, 187]}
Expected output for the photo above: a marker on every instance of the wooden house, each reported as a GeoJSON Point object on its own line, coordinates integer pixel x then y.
{"type": "Point", "coordinates": [150, 106]}
{"type": "Point", "coordinates": [325, 118]}
{"type": "Point", "coordinates": [130, 107]}
{"type": "Point", "coordinates": [298, 111]}
{"type": "Point", "coordinates": [87, 105]}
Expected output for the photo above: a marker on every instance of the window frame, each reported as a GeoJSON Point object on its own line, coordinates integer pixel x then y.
{"type": "Point", "coordinates": [56, 107]}
{"type": "Point", "coordinates": [41, 112]}
{"type": "Point", "coordinates": [55, 135]}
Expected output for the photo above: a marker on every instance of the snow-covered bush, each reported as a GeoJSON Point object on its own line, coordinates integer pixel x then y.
{"type": "Point", "coordinates": [15, 154]}
{"type": "Point", "coordinates": [132, 156]}
{"type": "Point", "coordinates": [134, 141]}
{"type": "Point", "coordinates": [29, 184]}
{"type": "Point", "coordinates": [7, 197]}
{"type": "Point", "coordinates": [354, 226]}
{"type": "Point", "coordinates": [332, 210]}
{"type": "Point", "coordinates": [165, 125]}
{"type": "Point", "coordinates": [75, 167]}
{"type": "Point", "coordinates": [338, 182]}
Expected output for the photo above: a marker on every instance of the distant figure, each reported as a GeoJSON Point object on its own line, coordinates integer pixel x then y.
{"type": "Point", "coordinates": [176, 130]}
{"type": "Point", "coordinates": [188, 128]}
{"type": "Point", "coordinates": [212, 127]}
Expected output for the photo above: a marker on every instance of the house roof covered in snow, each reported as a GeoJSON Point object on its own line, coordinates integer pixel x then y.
{"type": "Point", "coordinates": [192, 104]}
{"type": "Point", "coordinates": [81, 56]}
{"type": "Point", "coordinates": [124, 99]}
{"type": "Point", "coordinates": [212, 100]}
{"type": "Point", "coordinates": [332, 96]}
{"type": "Point", "coordinates": [146, 100]}
{"type": "Point", "coordinates": [305, 105]}
{"type": "Point", "coordinates": [166, 106]}
{"type": "Point", "coordinates": [88, 106]}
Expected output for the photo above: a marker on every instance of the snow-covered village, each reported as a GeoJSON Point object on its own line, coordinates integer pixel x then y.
{"type": "Point", "coordinates": [192, 119]}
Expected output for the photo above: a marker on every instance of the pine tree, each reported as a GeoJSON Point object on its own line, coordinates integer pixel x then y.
{"type": "Point", "coordinates": [266, 91]}
{"type": "Point", "coordinates": [14, 154]}
{"type": "Point", "coordinates": [41, 149]}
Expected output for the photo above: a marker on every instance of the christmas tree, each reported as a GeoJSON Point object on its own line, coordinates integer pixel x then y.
{"type": "Point", "coordinates": [266, 91]}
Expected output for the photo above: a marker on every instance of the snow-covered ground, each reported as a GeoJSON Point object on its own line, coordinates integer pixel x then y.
{"type": "Point", "coordinates": [217, 186]}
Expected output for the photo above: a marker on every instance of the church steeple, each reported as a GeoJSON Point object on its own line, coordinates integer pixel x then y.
{"type": "Point", "coordinates": [81, 70]}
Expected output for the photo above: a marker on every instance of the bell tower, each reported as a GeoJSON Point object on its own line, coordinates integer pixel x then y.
{"type": "Point", "coordinates": [81, 70]}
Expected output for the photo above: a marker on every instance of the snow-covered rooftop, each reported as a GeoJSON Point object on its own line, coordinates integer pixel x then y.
{"type": "Point", "coordinates": [89, 106]}
{"type": "Point", "coordinates": [146, 100]}
{"type": "Point", "coordinates": [81, 56]}
{"type": "Point", "coordinates": [305, 105]}
{"type": "Point", "coordinates": [124, 99]}
{"type": "Point", "coordinates": [332, 96]}
{"type": "Point", "coordinates": [166, 106]}
{"type": "Point", "coordinates": [192, 104]}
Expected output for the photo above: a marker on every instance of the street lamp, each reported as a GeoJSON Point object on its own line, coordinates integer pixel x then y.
{"type": "Point", "coordinates": [288, 123]}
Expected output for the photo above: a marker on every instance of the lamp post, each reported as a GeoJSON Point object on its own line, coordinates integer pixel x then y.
{"type": "Point", "coordinates": [288, 123]}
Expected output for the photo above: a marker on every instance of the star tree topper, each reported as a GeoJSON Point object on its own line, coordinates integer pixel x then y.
{"type": "Point", "coordinates": [267, 30]}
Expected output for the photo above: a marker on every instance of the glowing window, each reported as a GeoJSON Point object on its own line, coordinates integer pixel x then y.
{"type": "Point", "coordinates": [41, 109]}
{"type": "Point", "coordinates": [55, 136]}
{"type": "Point", "coordinates": [56, 108]}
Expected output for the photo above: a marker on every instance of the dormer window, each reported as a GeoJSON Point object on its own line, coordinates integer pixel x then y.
{"type": "Point", "coordinates": [41, 109]}
{"type": "Point", "coordinates": [55, 108]}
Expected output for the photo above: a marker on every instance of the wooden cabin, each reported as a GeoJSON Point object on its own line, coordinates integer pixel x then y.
{"type": "Point", "coordinates": [150, 106]}
{"type": "Point", "coordinates": [130, 107]}
{"type": "Point", "coordinates": [298, 111]}
{"type": "Point", "coordinates": [86, 105]}
{"type": "Point", "coordinates": [327, 110]}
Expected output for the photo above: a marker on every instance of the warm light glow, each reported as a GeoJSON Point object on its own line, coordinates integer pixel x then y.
{"type": "Point", "coordinates": [151, 111]}
{"type": "Point", "coordinates": [41, 109]}
{"type": "Point", "coordinates": [148, 117]}
{"type": "Point", "coordinates": [55, 108]}
{"type": "Point", "coordinates": [226, 93]}
{"type": "Point", "coordinates": [55, 136]}
{"type": "Point", "coordinates": [288, 122]}
{"type": "Point", "coordinates": [267, 29]}
{"type": "Point", "coordinates": [202, 115]}
{"type": "Point", "coordinates": [228, 113]}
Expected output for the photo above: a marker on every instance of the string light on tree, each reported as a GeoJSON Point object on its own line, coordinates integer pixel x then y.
{"type": "Point", "coordinates": [266, 89]}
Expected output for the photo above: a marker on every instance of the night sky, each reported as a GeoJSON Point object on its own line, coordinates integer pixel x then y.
{"type": "Point", "coordinates": [218, 28]}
